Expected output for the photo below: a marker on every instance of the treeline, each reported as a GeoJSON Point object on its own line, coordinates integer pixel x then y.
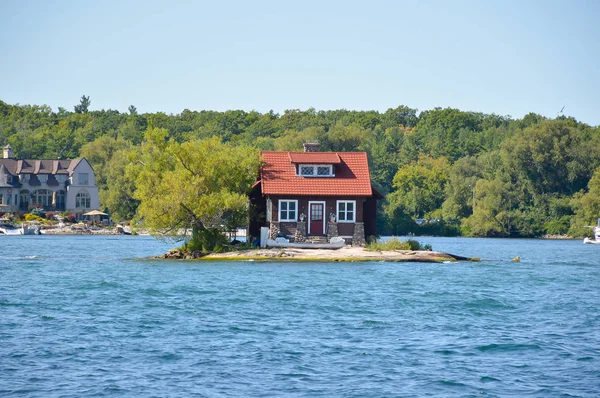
{"type": "Point", "coordinates": [470, 173]}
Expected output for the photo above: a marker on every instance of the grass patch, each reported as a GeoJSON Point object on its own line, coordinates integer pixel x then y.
{"type": "Point", "coordinates": [394, 244]}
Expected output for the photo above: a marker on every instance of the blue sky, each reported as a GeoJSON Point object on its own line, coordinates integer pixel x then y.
{"type": "Point", "coordinates": [503, 57]}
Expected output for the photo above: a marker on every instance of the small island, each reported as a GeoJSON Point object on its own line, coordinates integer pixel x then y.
{"type": "Point", "coordinates": [345, 254]}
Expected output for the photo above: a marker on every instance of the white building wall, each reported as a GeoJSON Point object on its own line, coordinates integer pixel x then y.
{"type": "Point", "coordinates": [76, 187]}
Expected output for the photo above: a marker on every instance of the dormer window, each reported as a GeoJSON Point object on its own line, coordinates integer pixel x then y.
{"type": "Point", "coordinates": [315, 170]}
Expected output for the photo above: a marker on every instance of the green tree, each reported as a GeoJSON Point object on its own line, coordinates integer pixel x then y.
{"type": "Point", "coordinates": [194, 185]}
{"type": "Point", "coordinates": [587, 207]}
{"type": "Point", "coordinates": [492, 212]}
{"type": "Point", "coordinates": [554, 156]}
{"type": "Point", "coordinates": [419, 186]}
{"type": "Point", "coordinates": [83, 105]}
{"type": "Point", "coordinates": [121, 172]}
{"type": "Point", "coordinates": [460, 189]}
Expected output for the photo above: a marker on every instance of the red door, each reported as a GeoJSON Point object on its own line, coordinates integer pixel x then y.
{"type": "Point", "coordinates": [316, 219]}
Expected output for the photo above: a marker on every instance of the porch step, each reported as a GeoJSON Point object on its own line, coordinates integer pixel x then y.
{"type": "Point", "coordinates": [316, 239]}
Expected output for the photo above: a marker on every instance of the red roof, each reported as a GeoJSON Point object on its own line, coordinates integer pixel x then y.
{"type": "Point", "coordinates": [278, 174]}
{"type": "Point", "coordinates": [315, 157]}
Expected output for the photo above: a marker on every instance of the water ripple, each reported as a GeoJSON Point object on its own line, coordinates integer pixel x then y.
{"type": "Point", "coordinates": [95, 324]}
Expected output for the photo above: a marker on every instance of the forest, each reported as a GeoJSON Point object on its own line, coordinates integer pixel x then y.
{"type": "Point", "coordinates": [463, 173]}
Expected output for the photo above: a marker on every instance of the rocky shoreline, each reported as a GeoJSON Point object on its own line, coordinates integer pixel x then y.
{"type": "Point", "coordinates": [72, 230]}
{"type": "Point", "coordinates": [346, 254]}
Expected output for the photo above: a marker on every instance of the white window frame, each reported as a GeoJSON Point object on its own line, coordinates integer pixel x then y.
{"type": "Point", "coordinates": [83, 202]}
{"type": "Point", "coordinates": [337, 207]}
{"type": "Point", "coordinates": [315, 168]}
{"type": "Point", "coordinates": [295, 201]}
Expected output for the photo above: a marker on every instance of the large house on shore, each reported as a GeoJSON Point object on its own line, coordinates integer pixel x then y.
{"type": "Point", "coordinates": [301, 195]}
{"type": "Point", "coordinates": [54, 185]}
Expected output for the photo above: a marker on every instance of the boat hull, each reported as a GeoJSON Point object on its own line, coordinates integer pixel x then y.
{"type": "Point", "coordinates": [591, 241]}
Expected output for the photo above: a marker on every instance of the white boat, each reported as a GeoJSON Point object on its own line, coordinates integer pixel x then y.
{"type": "Point", "coordinates": [596, 239]}
{"type": "Point", "coordinates": [9, 229]}
{"type": "Point", "coordinates": [30, 229]}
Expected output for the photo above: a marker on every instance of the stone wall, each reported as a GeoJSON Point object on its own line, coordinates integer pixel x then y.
{"type": "Point", "coordinates": [358, 239]}
{"type": "Point", "coordinates": [300, 235]}
{"type": "Point", "coordinates": [332, 230]}
{"type": "Point", "coordinates": [274, 230]}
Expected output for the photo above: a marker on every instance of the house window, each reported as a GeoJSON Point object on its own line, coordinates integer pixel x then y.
{"type": "Point", "coordinates": [24, 199]}
{"type": "Point", "coordinates": [315, 170]}
{"type": "Point", "coordinates": [25, 178]}
{"type": "Point", "coordinates": [82, 200]}
{"type": "Point", "coordinates": [324, 170]}
{"type": "Point", "coordinates": [42, 197]}
{"type": "Point", "coordinates": [83, 178]}
{"type": "Point", "coordinates": [346, 210]}
{"type": "Point", "coordinates": [288, 210]}
{"type": "Point", "coordinates": [307, 170]}
{"type": "Point", "coordinates": [60, 178]}
{"type": "Point", "coordinates": [43, 178]}
{"type": "Point", "coordinates": [60, 200]}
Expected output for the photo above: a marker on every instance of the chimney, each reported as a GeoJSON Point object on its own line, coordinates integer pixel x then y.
{"type": "Point", "coordinates": [312, 147]}
{"type": "Point", "coordinates": [8, 152]}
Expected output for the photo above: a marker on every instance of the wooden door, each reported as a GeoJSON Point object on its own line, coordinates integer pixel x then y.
{"type": "Point", "coordinates": [316, 218]}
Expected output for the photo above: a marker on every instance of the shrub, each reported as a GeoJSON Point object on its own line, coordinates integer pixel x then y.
{"type": "Point", "coordinates": [393, 244]}
{"type": "Point", "coordinates": [32, 217]}
{"type": "Point", "coordinates": [71, 218]}
{"type": "Point", "coordinates": [49, 215]}
{"type": "Point", "coordinates": [206, 241]}
{"type": "Point", "coordinates": [38, 211]}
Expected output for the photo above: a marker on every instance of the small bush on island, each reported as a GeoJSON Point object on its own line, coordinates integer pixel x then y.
{"type": "Point", "coordinates": [394, 244]}
{"type": "Point", "coordinates": [209, 241]}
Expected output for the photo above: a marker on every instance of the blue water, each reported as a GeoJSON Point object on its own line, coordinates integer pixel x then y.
{"type": "Point", "coordinates": [92, 316]}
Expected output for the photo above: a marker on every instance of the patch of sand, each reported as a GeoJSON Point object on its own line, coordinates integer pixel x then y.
{"type": "Point", "coordinates": [347, 253]}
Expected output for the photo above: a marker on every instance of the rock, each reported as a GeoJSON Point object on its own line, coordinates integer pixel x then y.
{"type": "Point", "coordinates": [337, 239]}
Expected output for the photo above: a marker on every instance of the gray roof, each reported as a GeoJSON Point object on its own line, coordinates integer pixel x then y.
{"type": "Point", "coordinates": [41, 166]}
{"type": "Point", "coordinates": [5, 175]}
